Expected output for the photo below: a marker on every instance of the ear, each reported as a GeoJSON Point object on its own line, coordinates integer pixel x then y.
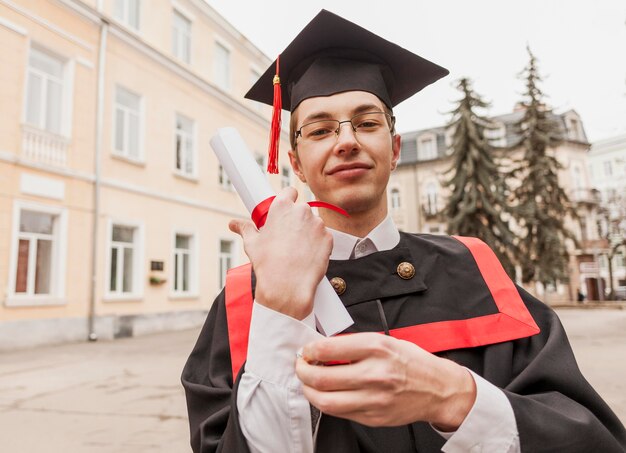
{"type": "Point", "coordinates": [396, 145]}
{"type": "Point", "coordinates": [295, 165]}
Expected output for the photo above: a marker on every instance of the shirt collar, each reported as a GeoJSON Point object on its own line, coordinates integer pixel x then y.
{"type": "Point", "coordinates": [384, 236]}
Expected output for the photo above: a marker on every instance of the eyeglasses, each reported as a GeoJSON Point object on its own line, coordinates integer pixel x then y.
{"type": "Point", "coordinates": [363, 124]}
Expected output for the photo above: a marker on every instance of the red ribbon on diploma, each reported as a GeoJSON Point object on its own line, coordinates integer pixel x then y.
{"type": "Point", "coordinates": [259, 213]}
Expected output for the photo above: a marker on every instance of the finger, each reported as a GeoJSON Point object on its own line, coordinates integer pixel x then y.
{"type": "Point", "coordinates": [346, 348]}
{"type": "Point", "coordinates": [360, 405]}
{"type": "Point", "coordinates": [330, 378]}
{"type": "Point", "coordinates": [288, 193]}
{"type": "Point", "coordinates": [243, 228]}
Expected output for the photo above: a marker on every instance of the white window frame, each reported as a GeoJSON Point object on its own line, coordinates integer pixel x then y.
{"type": "Point", "coordinates": [58, 259]}
{"type": "Point", "coordinates": [67, 93]}
{"type": "Point", "coordinates": [125, 17]}
{"type": "Point", "coordinates": [124, 154]}
{"type": "Point", "coordinates": [182, 36]}
{"type": "Point", "coordinates": [427, 153]}
{"type": "Point", "coordinates": [138, 263]}
{"type": "Point", "coordinates": [193, 264]}
{"type": "Point", "coordinates": [223, 180]}
{"type": "Point", "coordinates": [573, 126]}
{"type": "Point", "coordinates": [395, 199]}
{"type": "Point", "coordinates": [254, 71]}
{"type": "Point", "coordinates": [429, 197]}
{"type": "Point", "coordinates": [234, 254]}
{"type": "Point", "coordinates": [193, 174]}
{"type": "Point", "coordinates": [578, 182]}
{"type": "Point", "coordinates": [227, 85]}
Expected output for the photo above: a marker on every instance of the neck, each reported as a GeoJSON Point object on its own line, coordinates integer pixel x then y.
{"type": "Point", "coordinates": [359, 224]}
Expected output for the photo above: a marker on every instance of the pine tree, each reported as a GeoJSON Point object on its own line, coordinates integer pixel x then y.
{"type": "Point", "coordinates": [478, 205]}
{"type": "Point", "coordinates": [541, 203]}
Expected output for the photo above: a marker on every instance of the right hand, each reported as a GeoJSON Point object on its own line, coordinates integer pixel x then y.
{"type": "Point", "coordinates": [289, 254]}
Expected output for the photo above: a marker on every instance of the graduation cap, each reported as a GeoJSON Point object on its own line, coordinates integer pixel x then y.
{"type": "Point", "coordinates": [333, 55]}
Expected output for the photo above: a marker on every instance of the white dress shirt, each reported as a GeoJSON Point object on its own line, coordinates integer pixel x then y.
{"type": "Point", "coordinates": [275, 416]}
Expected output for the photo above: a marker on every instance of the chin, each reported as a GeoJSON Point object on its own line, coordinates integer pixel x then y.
{"type": "Point", "coordinates": [356, 205]}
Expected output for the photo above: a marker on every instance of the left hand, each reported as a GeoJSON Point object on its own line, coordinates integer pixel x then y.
{"type": "Point", "coordinates": [388, 382]}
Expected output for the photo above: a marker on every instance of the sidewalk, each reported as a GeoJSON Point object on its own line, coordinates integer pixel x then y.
{"type": "Point", "coordinates": [124, 396]}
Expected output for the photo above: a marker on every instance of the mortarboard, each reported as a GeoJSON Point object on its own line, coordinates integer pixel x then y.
{"type": "Point", "coordinates": [333, 55]}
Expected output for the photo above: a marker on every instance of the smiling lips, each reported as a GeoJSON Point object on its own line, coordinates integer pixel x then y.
{"type": "Point", "coordinates": [349, 169]}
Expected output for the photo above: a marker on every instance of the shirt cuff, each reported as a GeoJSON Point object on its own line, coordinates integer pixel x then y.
{"type": "Point", "coordinates": [489, 426]}
{"type": "Point", "coordinates": [273, 342]}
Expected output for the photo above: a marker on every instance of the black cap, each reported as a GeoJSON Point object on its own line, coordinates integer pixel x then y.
{"type": "Point", "coordinates": [332, 55]}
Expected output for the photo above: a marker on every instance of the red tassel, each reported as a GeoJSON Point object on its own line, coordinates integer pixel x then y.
{"type": "Point", "coordinates": [272, 161]}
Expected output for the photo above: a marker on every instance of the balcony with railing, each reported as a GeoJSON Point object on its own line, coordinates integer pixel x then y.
{"type": "Point", "coordinates": [44, 147]}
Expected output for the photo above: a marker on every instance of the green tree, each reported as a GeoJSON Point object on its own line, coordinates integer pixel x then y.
{"type": "Point", "coordinates": [541, 203]}
{"type": "Point", "coordinates": [478, 205]}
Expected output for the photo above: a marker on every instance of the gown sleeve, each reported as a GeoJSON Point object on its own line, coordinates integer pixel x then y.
{"type": "Point", "coordinates": [555, 408]}
{"type": "Point", "coordinates": [211, 395]}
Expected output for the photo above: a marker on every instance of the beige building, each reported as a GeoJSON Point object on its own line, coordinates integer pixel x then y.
{"type": "Point", "coordinates": [417, 191]}
{"type": "Point", "coordinates": [113, 207]}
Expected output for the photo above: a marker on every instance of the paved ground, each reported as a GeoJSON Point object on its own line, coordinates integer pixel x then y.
{"type": "Point", "coordinates": [124, 396]}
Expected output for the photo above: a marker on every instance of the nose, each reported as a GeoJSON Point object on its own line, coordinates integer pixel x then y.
{"type": "Point", "coordinates": [346, 139]}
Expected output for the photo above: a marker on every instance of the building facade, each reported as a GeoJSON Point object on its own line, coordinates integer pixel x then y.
{"type": "Point", "coordinates": [113, 208]}
{"type": "Point", "coordinates": [607, 167]}
{"type": "Point", "coordinates": [418, 191]}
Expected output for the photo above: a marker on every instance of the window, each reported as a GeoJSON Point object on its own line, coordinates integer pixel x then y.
{"type": "Point", "coordinates": [127, 123]}
{"type": "Point", "coordinates": [608, 168]}
{"type": "Point", "coordinates": [285, 177]}
{"type": "Point", "coordinates": [449, 137]}
{"type": "Point", "coordinates": [123, 256]}
{"type": "Point", "coordinates": [127, 11]}
{"type": "Point", "coordinates": [395, 199]}
{"type": "Point", "coordinates": [255, 74]}
{"type": "Point", "coordinates": [427, 148]}
{"type": "Point", "coordinates": [183, 263]}
{"type": "Point", "coordinates": [38, 255]}
{"type": "Point", "coordinates": [181, 37]}
{"type": "Point", "coordinates": [185, 162]}
{"type": "Point", "coordinates": [44, 91]}
{"type": "Point", "coordinates": [431, 199]}
{"type": "Point", "coordinates": [577, 177]}
{"type": "Point", "coordinates": [573, 129]}
{"type": "Point", "coordinates": [224, 180]}
{"type": "Point", "coordinates": [221, 66]}
{"type": "Point", "coordinates": [225, 260]}
{"type": "Point", "coordinates": [36, 242]}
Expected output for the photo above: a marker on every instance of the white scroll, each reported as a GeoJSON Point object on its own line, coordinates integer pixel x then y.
{"type": "Point", "coordinates": [253, 187]}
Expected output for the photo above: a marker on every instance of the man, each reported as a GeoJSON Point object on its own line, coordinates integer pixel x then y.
{"type": "Point", "coordinates": [445, 352]}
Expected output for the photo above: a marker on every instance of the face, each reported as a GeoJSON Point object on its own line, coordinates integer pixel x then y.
{"type": "Point", "coordinates": [351, 170]}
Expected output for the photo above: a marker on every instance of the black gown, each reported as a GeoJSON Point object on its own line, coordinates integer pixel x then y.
{"type": "Point", "coordinates": [556, 409]}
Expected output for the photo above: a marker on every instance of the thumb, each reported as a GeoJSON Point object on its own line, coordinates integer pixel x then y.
{"type": "Point", "coordinates": [243, 228]}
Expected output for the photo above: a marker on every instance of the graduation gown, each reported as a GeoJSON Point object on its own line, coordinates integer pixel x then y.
{"type": "Point", "coordinates": [457, 305]}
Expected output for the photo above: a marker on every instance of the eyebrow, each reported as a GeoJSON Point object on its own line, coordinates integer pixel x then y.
{"type": "Point", "coordinates": [326, 115]}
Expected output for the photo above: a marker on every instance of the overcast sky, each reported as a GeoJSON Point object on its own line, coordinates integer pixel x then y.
{"type": "Point", "coordinates": [580, 46]}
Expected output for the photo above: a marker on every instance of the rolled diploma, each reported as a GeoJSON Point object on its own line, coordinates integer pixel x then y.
{"type": "Point", "coordinates": [253, 187]}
